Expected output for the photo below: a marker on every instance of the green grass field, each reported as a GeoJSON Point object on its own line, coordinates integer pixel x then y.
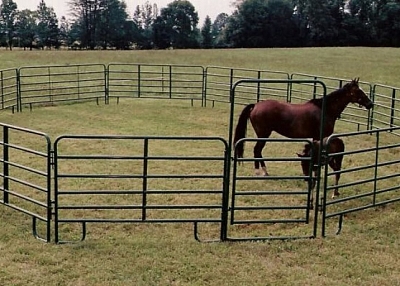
{"type": "Point", "coordinates": [366, 253]}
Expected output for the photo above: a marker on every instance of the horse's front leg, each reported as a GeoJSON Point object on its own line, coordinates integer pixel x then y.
{"type": "Point", "coordinates": [313, 182]}
{"type": "Point", "coordinates": [336, 190]}
{"type": "Point", "coordinates": [258, 155]}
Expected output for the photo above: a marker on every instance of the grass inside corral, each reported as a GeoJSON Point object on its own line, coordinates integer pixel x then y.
{"type": "Point", "coordinates": [366, 253]}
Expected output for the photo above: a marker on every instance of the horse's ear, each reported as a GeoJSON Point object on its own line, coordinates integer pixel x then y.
{"type": "Point", "coordinates": [355, 80]}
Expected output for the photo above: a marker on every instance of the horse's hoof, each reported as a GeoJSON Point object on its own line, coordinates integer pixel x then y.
{"type": "Point", "coordinates": [335, 195]}
{"type": "Point", "coordinates": [264, 171]}
{"type": "Point", "coordinates": [261, 173]}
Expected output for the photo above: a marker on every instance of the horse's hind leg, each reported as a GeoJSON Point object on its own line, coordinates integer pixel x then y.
{"type": "Point", "coordinates": [258, 155]}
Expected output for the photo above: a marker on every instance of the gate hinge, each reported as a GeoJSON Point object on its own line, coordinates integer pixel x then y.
{"type": "Point", "coordinates": [52, 158]}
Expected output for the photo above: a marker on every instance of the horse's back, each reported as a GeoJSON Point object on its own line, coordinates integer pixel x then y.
{"type": "Point", "coordinates": [287, 119]}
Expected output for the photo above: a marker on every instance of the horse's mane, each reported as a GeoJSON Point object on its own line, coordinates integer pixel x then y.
{"type": "Point", "coordinates": [318, 101]}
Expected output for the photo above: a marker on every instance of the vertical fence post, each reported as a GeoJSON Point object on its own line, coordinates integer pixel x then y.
{"type": "Point", "coordinates": [170, 82]}
{"type": "Point", "coordinates": [376, 166]}
{"type": "Point", "coordinates": [225, 195]}
{"type": "Point", "coordinates": [2, 90]}
{"type": "Point", "coordinates": [392, 107]}
{"type": "Point", "coordinates": [371, 111]}
{"type": "Point", "coordinates": [162, 78]}
{"type": "Point", "coordinates": [145, 173]}
{"type": "Point", "coordinates": [315, 88]}
{"type": "Point", "coordinates": [55, 204]}
{"type": "Point", "coordinates": [231, 85]}
{"type": "Point", "coordinates": [258, 86]}
{"type": "Point", "coordinates": [204, 95]}
{"type": "Point", "coordinates": [106, 84]}
{"type": "Point", "coordinates": [6, 168]}
{"type": "Point", "coordinates": [19, 99]}
{"type": "Point", "coordinates": [138, 75]}
{"type": "Point", "coordinates": [49, 84]}
{"type": "Point", "coordinates": [50, 160]}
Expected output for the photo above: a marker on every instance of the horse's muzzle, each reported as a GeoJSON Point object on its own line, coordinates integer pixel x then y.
{"type": "Point", "coordinates": [369, 105]}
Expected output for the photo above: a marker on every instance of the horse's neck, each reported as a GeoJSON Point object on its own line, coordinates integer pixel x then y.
{"type": "Point", "coordinates": [335, 104]}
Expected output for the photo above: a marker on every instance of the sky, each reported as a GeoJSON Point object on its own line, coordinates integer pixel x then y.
{"type": "Point", "coordinates": [203, 7]}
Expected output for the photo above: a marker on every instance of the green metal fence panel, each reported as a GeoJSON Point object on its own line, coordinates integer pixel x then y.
{"type": "Point", "coordinates": [352, 114]}
{"type": "Point", "coordinates": [106, 185]}
{"type": "Point", "coordinates": [386, 112]}
{"type": "Point", "coordinates": [39, 85]}
{"type": "Point", "coordinates": [372, 179]}
{"type": "Point", "coordinates": [219, 82]}
{"type": "Point", "coordinates": [155, 81]}
{"type": "Point", "coordinates": [26, 174]}
{"type": "Point", "coordinates": [305, 194]}
{"type": "Point", "coordinates": [270, 203]}
{"type": "Point", "coordinates": [9, 89]}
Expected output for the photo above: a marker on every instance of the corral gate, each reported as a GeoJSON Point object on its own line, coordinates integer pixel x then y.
{"type": "Point", "coordinates": [266, 205]}
{"type": "Point", "coordinates": [282, 198]}
{"type": "Point", "coordinates": [26, 175]}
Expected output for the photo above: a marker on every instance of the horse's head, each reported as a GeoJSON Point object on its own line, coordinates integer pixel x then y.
{"type": "Point", "coordinates": [357, 95]}
{"type": "Point", "coordinates": [305, 164]}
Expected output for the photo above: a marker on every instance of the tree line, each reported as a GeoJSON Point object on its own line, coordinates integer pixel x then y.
{"type": "Point", "coordinates": [107, 24]}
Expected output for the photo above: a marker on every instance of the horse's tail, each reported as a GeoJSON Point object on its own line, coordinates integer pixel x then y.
{"type": "Point", "coordinates": [241, 128]}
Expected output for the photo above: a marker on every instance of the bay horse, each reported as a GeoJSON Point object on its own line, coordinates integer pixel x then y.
{"type": "Point", "coordinates": [336, 145]}
{"type": "Point", "coordinates": [295, 120]}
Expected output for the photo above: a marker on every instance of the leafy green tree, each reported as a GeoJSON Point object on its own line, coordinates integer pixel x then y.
{"type": "Point", "coordinates": [8, 21]}
{"type": "Point", "coordinates": [143, 18]}
{"type": "Point", "coordinates": [48, 30]}
{"type": "Point", "coordinates": [26, 28]}
{"type": "Point", "coordinates": [218, 30]}
{"type": "Point", "coordinates": [74, 36]}
{"type": "Point", "coordinates": [388, 24]}
{"type": "Point", "coordinates": [112, 24]}
{"type": "Point", "coordinates": [322, 23]}
{"type": "Point", "coordinates": [86, 15]}
{"type": "Point", "coordinates": [176, 26]}
{"type": "Point", "coordinates": [65, 32]}
{"type": "Point", "coordinates": [262, 23]}
{"type": "Point", "coordinates": [358, 23]}
{"type": "Point", "coordinates": [206, 34]}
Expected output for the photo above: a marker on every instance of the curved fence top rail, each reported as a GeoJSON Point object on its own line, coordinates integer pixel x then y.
{"type": "Point", "coordinates": [49, 84]}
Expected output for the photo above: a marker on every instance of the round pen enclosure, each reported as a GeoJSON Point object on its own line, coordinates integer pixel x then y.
{"type": "Point", "coordinates": [169, 157]}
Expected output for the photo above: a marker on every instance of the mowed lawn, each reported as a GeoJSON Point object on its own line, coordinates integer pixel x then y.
{"type": "Point", "coordinates": [366, 253]}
